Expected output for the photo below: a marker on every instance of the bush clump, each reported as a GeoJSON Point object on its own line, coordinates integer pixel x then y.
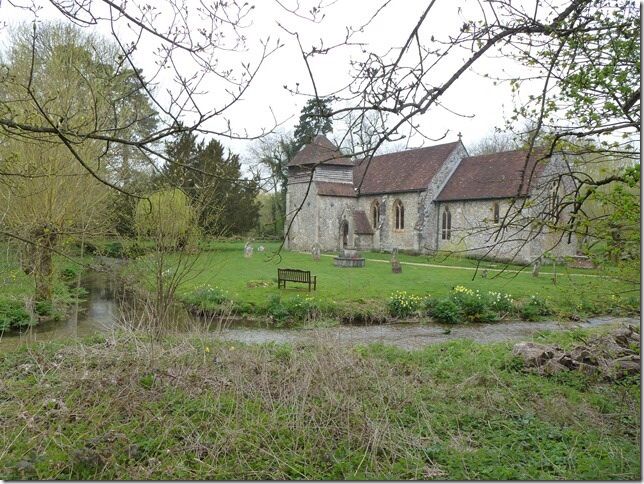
{"type": "Point", "coordinates": [13, 315]}
{"type": "Point", "coordinates": [467, 305]}
{"type": "Point", "coordinates": [69, 273]}
{"type": "Point", "coordinates": [475, 306]}
{"type": "Point", "coordinates": [534, 308]}
{"type": "Point", "coordinates": [444, 310]}
{"type": "Point", "coordinates": [403, 305]}
{"type": "Point", "coordinates": [207, 297]}
{"type": "Point", "coordinates": [295, 309]}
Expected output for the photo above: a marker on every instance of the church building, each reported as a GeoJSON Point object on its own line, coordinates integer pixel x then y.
{"type": "Point", "coordinates": [424, 200]}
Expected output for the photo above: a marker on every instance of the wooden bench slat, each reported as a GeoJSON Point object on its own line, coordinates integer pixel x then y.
{"type": "Point", "coordinates": [295, 275]}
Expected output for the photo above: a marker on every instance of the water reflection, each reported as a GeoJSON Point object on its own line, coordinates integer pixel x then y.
{"type": "Point", "coordinates": [97, 313]}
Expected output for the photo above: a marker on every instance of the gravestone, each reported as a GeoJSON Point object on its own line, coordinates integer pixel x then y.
{"type": "Point", "coordinates": [536, 266]}
{"type": "Point", "coordinates": [248, 250]}
{"type": "Point", "coordinates": [396, 268]}
{"type": "Point", "coordinates": [260, 248]}
{"type": "Point", "coordinates": [315, 251]}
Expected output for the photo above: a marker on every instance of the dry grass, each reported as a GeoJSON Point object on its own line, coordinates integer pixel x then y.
{"type": "Point", "coordinates": [130, 407]}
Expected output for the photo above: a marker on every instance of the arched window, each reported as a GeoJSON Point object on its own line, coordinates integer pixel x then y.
{"type": "Point", "coordinates": [375, 214]}
{"type": "Point", "coordinates": [495, 211]}
{"type": "Point", "coordinates": [446, 233]}
{"type": "Point", "coordinates": [399, 212]}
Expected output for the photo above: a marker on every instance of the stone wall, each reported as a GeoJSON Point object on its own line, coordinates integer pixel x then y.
{"type": "Point", "coordinates": [303, 232]}
{"type": "Point", "coordinates": [525, 238]}
{"type": "Point", "coordinates": [474, 231]}
{"type": "Point", "coordinates": [386, 237]}
{"type": "Point", "coordinates": [333, 211]}
{"type": "Point", "coordinates": [428, 217]}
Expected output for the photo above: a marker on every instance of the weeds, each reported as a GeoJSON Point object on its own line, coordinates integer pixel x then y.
{"type": "Point", "coordinates": [122, 407]}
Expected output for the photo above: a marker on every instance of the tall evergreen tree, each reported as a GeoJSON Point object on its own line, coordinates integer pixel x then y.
{"type": "Point", "coordinates": [226, 201]}
{"type": "Point", "coordinates": [315, 119]}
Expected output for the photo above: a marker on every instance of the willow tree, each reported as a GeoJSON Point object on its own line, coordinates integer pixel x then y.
{"type": "Point", "coordinates": [52, 186]}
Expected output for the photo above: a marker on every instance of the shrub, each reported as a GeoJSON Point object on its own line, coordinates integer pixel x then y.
{"type": "Point", "coordinates": [296, 309]}
{"type": "Point", "coordinates": [463, 304]}
{"type": "Point", "coordinates": [502, 303]}
{"type": "Point", "coordinates": [69, 273]}
{"type": "Point", "coordinates": [44, 308]}
{"type": "Point", "coordinates": [534, 308]}
{"type": "Point", "coordinates": [474, 306]}
{"type": "Point", "coordinates": [134, 250]}
{"type": "Point", "coordinates": [444, 310]}
{"type": "Point", "coordinates": [401, 304]}
{"type": "Point", "coordinates": [13, 315]}
{"type": "Point", "coordinates": [113, 249]}
{"type": "Point", "coordinates": [207, 297]}
{"type": "Point", "coordinates": [276, 309]}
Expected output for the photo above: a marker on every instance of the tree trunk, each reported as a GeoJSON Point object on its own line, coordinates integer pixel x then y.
{"type": "Point", "coordinates": [44, 240]}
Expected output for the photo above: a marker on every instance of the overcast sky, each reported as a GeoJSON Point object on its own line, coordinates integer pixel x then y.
{"type": "Point", "coordinates": [483, 105]}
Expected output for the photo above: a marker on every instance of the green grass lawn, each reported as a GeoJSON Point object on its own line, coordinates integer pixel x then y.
{"type": "Point", "coordinates": [224, 266]}
{"type": "Point", "coordinates": [193, 408]}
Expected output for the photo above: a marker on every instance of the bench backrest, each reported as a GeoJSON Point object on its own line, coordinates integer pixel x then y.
{"type": "Point", "coordinates": [295, 275]}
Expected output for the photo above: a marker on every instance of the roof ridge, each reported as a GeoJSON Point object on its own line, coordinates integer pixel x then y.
{"type": "Point", "coordinates": [414, 149]}
{"type": "Point", "coordinates": [534, 151]}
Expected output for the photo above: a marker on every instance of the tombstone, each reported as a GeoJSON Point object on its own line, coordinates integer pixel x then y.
{"type": "Point", "coordinates": [536, 266]}
{"type": "Point", "coordinates": [248, 250]}
{"type": "Point", "coordinates": [260, 248]}
{"type": "Point", "coordinates": [396, 268]}
{"type": "Point", "coordinates": [315, 252]}
{"type": "Point", "coordinates": [484, 274]}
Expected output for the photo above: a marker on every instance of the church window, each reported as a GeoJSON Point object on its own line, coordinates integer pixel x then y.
{"type": "Point", "coordinates": [399, 211]}
{"type": "Point", "coordinates": [375, 214]}
{"type": "Point", "coordinates": [446, 233]}
{"type": "Point", "coordinates": [496, 210]}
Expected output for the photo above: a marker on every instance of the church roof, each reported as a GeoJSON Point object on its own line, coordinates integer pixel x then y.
{"type": "Point", "coordinates": [405, 171]}
{"type": "Point", "coordinates": [361, 223]}
{"type": "Point", "coordinates": [496, 175]}
{"type": "Point", "coordinates": [332, 189]}
{"type": "Point", "coordinates": [320, 151]}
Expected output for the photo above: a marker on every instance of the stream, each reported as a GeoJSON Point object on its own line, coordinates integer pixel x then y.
{"type": "Point", "coordinates": [99, 313]}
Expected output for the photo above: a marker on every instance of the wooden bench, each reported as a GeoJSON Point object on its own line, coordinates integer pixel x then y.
{"type": "Point", "coordinates": [295, 275]}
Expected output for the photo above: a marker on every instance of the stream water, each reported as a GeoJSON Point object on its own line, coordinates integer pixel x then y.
{"type": "Point", "coordinates": [99, 313]}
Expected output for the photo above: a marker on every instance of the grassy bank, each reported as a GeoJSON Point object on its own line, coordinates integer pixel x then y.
{"type": "Point", "coordinates": [17, 308]}
{"type": "Point", "coordinates": [124, 408]}
{"type": "Point", "coordinates": [223, 275]}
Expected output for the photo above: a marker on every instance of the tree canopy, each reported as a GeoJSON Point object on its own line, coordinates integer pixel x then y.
{"type": "Point", "coordinates": [226, 201]}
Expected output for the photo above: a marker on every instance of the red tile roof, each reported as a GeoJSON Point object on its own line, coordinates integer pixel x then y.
{"type": "Point", "coordinates": [405, 171]}
{"type": "Point", "coordinates": [332, 189]}
{"type": "Point", "coordinates": [496, 175]}
{"type": "Point", "coordinates": [320, 150]}
{"type": "Point", "coordinates": [361, 223]}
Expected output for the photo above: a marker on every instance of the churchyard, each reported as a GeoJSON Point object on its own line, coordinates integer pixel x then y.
{"type": "Point", "coordinates": [222, 274]}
